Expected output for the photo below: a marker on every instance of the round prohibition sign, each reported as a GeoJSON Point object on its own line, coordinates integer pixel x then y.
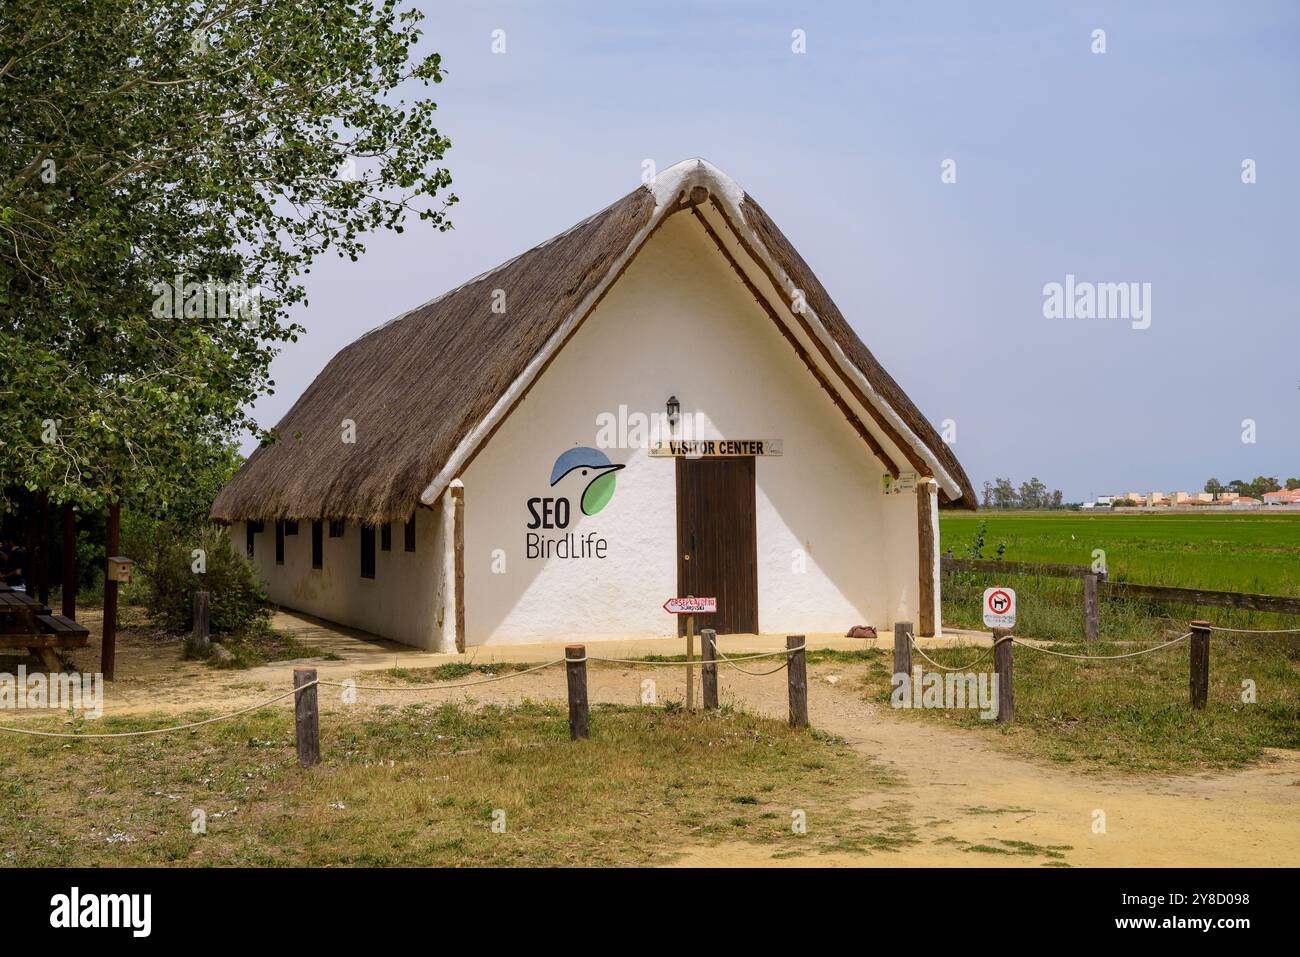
{"type": "Point", "coordinates": [999, 602]}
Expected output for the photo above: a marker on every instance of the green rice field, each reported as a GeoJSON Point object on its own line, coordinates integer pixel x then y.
{"type": "Point", "coordinates": [1228, 552]}
{"type": "Point", "coordinates": [1225, 552]}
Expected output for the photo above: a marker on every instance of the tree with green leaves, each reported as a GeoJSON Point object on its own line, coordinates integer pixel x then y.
{"type": "Point", "coordinates": [168, 172]}
{"type": "Point", "coordinates": [1264, 484]}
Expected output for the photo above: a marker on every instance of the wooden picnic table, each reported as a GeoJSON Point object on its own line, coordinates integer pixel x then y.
{"type": "Point", "coordinates": [26, 623]}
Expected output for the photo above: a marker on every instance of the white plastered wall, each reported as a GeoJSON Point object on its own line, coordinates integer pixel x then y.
{"type": "Point", "coordinates": [402, 602]}
{"type": "Point", "coordinates": [679, 322]}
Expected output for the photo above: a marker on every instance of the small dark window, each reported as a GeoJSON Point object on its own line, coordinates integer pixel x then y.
{"type": "Point", "coordinates": [250, 534]}
{"type": "Point", "coordinates": [291, 528]}
{"type": "Point", "coordinates": [317, 545]}
{"type": "Point", "coordinates": [279, 543]}
{"type": "Point", "coordinates": [259, 526]}
{"type": "Point", "coordinates": [409, 532]}
{"type": "Point", "coordinates": [386, 537]}
{"type": "Point", "coordinates": [336, 528]}
{"type": "Point", "coordinates": [367, 551]}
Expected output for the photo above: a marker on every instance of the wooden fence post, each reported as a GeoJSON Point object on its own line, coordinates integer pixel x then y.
{"type": "Point", "coordinates": [576, 666]}
{"type": "Point", "coordinates": [709, 667]}
{"type": "Point", "coordinates": [903, 649]}
{"type": "Point", "coordinates": [1002, 668]}
{"type": "Point", "coordinates": [306, 716]}
{"type": "Point", "coordinates": [1199, 664]}
{"type": "Point", "coordinates": [201, 632]}
{"type": "Point", "coordinates": [797, 671]}
{"type": "Point", "coordinates": [1091, 611]}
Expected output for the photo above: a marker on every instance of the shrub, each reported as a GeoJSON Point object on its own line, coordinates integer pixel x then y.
{"type": "Point", "coordinates": [167, 582]}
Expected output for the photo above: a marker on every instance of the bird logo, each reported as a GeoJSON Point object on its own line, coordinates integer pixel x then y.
{"type": "Point", "coordinates": [594, 465]}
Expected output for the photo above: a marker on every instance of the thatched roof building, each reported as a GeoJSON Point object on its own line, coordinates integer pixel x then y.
{"type": "Point", "coordinates": [423, 388]}
{"type": "Point", "coordinates": [497, 423]}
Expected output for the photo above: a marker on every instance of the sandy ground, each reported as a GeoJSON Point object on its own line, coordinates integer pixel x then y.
{"type": "Point", "coordinates": [957, 784]}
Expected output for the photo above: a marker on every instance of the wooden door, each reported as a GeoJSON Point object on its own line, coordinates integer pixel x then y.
{"type": "Point", "coordinates": [717, 541]}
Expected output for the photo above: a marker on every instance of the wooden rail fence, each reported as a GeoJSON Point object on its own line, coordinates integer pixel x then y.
{"type": "Point", "coordinates": [1096, 586]}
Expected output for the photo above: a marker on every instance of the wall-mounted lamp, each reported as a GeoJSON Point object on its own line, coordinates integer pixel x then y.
{"type": "Point", "coordinates": [674, 408]}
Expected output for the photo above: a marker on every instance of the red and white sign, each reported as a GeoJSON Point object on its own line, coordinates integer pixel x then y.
{"type": "Point", "coordinates": [691, 606]}
{"type": "Point", "coordinates": [999, 608]}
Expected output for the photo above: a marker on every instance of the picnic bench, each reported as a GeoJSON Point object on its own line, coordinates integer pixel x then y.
{"type": "Point", "coordinates": [26, 623]}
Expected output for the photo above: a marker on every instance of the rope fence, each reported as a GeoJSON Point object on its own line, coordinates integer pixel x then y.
{"type": "Point", "coordinates": [1198, 659]}
{"type": "Point", "coordinates": [306, 682]}
{"type": "Point", "coordinates": [141, 734]}
{"type": "Point", "coordinates": [1257, 631]}
{"type": "Point", "coordinates": [307, 711]}
{"type": "Point", "coordinates": [1132, 654]}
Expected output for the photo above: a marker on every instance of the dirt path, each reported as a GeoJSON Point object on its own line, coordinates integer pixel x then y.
{"type": "Point", "coordinates": [966, 797]}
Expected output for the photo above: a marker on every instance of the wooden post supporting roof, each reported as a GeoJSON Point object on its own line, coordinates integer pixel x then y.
{"type": "Point", "coordinates": [927, 546]}
{"type": "Point", "coordinates": [458, 539]}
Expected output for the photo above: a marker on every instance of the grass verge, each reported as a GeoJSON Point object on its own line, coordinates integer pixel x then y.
{"type": "Point", "coordinates": [1133, 714]}
{"type": "Point", "coordinates": [418, 786]}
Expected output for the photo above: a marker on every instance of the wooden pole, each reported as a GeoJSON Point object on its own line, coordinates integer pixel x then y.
{"type": "Point", "coordinates": [690, 656]}
{"type": "Point", "coordinates": [306, 716]}
{"type": "Point", "coordinates": [709, 667]}
{"type": "Point", "coordinates": [40, 559]}
{"type": "Point", "coordinates": [1199, 664]}
{"type": "Point", "coordinates": [926, 549]}
{"type": "Point", "coordinates": [108, 643]}
{"type": "Point", "coordinates": [458, 558]}
{"type": "Point", "coordinates": [1002, 667]}
{"type": "Point", "coordinates": [902, 649]}
{"type": "Point", "coordinates": [576, 668]}
{"type": "Point", "coordinates": [200, 639]}
{"type": "Point", "coordinates": [1091, 610]}
{"type": "Point", "coordinates": [69, 562]}
{"type": "Point", "coordinates": [797, 671]}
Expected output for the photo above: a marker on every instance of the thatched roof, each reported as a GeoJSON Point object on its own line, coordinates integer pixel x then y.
{"type": "Point", "coordinates": [427, 389]}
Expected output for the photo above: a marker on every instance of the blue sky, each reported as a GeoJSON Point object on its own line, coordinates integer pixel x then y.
{"type": "Point", "coordinates": [1115, 167]}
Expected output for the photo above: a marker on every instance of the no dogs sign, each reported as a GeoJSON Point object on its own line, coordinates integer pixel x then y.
{"type": "Point", "coordinates": [999, 608]}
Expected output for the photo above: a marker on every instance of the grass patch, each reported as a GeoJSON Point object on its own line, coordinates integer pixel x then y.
{"type": "Point", "coordinates": [259, 644]}
{"type": "Point", "coordinates": [456, 669]}
{"type": "Point", "coordinates": [418, 785]}
{"type": "Point", "coordinates": [1133, 714]}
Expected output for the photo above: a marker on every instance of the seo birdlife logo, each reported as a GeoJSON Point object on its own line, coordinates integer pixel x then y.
{"type": "Point", "coordinates": [583, 473]}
